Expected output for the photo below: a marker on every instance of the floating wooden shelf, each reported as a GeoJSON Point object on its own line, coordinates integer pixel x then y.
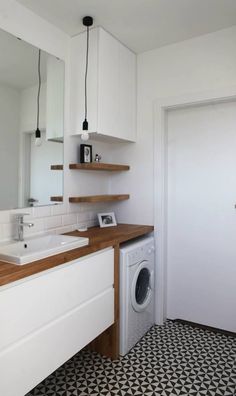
{"type": "Point", "coordinates": [99, 198]}
{"type": "Point", "coordinates": [56, 167]}
{"type": "Point", "coordinates": [56, 199]}
{"type": "Point", "coordinates": [99, 166]}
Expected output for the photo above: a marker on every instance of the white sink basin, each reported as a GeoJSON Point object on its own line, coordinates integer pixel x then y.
{"type": "Point", "coordinates": [24, 252]}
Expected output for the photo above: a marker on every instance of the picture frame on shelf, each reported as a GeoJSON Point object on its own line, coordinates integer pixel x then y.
{"type": "Point", "coordinates": [86, 154]}
{"type": "Point", "coordinates": [107, 219]}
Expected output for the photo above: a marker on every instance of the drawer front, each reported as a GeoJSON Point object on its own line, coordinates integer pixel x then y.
{"type": "Point", "coordinates": [29, 305]}
{"type": "Point", "coordinates": [26, 363]}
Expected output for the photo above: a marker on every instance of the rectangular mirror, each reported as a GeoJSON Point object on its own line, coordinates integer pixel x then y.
{"type": "Point", "coordinates": [31, 96]}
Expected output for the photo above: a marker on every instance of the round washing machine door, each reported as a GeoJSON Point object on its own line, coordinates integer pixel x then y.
{"type": "Point", "coordinates": [141, 289]}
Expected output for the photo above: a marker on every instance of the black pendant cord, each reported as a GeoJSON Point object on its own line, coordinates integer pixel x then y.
{"type": "Point", "coordinates": [85, 123]}
{"type": "Point", "coordinates": [39, 87]}
{"type": "Point", "coordinates": [87, 21]}
{"type": "Point", "coordinates": [86, 76]}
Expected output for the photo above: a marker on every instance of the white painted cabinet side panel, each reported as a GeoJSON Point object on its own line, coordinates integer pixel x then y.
{"type": "Point", "coordinates": [27, 306]}
{"type": "Point", "coordinates": [127, 94]}
{"type": "Point", "coordinates": [108, 85]}
{"type": "Point", "coordinates": [28, 362]}
{"type": "Point", "coordinates": [77, 81]}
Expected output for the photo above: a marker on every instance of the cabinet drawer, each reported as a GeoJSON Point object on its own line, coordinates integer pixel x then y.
{"type": "Point", "coordinates": [29, 305]}
{"type": "Point", "coordinates": [26, 363]}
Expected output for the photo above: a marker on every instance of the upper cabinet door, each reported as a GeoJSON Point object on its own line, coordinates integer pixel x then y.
{"type": "Point", "coordinates": [108, 85]}
{"type": "Point", "coordinates": [55, 99]}
{"type": "Point", "coordinates": [111, 87]}
{"type": "Point", "coordinates": [127, 93]}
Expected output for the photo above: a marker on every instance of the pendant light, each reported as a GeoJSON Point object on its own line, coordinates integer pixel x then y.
{"type": "Point", "coordinates": [38, 140]}
{"type": "Point", "coordinates": [87, 21]}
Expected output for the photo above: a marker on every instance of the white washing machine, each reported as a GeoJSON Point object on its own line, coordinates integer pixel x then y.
{"type": "Point", "coordinates": [136, 291]}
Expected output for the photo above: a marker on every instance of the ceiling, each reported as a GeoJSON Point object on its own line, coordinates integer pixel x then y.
{"type": "Point", "coordinates": [140, 24]}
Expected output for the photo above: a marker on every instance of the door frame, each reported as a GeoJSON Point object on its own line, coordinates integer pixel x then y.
{"type": "Point", "coordinates": [160, 108]}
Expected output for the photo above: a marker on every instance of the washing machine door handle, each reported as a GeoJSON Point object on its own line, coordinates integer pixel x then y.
{"type": "Point", "coordinates": [152, 281]}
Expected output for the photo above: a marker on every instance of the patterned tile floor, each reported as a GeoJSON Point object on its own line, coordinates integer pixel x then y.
{"type": "Point", "coordinates": [174, 359]}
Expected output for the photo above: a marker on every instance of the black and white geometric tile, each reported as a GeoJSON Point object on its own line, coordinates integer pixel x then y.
{"type": "Point", "coordinates": [171, 360]}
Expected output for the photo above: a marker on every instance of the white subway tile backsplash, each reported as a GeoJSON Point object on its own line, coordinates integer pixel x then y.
{"type": "Point", "coordinates": [49, 219]}
{"type": "Point", "coordinates": [69, 219]}
{"type": "Point", "coordinates": [59, 209]}
{"type": "Point", "coordinates": [73, 208]}
{"type": "Point", "coordinates": [53, 222]}
{"type": "Point", "coordinates": [83, 217]}
{"type": "Point", "coordinates": [42, 211]}
{"type": "Point", "coordinates": [1, 232]}
{"type": "Point", "coordinates": [4, 216]}
{"type": "Point", "coordinates": [79, 208]}
{"type": "Point", "coordinates": [27, 211]}
{"type": "Point", "coordinates": [93, 215]}
{"type": "Point", "coordinates": [9, 231]}
{"type": "Point", "coordinates": [63, 230]}
{"type": "Point", "coordinates": [37, 228]}
{"type": "Point", "coordinates": [92, 223]}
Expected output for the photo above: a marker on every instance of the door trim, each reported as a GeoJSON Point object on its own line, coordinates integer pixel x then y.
{"type": "Point", "coordinates": [160, 108]}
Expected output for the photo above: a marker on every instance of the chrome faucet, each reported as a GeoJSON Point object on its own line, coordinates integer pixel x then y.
{"type": "Point", "coordinates": [20, 225]}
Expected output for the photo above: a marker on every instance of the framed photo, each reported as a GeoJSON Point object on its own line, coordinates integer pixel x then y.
{"type": "Point", "coordinates": [85, 153]}
{"type": "Point", "coordinates": [107, 219]}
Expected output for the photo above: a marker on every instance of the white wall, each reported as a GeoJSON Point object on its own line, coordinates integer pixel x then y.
{"type": "Point", "coordinates": [200, 64]}
{"type": "Point", "coordinates": [9, 143]}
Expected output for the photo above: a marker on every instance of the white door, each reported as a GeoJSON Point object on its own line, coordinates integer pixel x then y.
{"type": "Point", "coordinates": [201, 242]}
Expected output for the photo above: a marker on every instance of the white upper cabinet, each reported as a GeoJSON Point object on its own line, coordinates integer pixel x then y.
{"type": "Point", "coordinates": [55, 99]}
{"type": "Point", "coordinates": [111, 87]}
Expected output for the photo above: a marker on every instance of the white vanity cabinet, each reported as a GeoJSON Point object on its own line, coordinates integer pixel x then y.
{"type": "Point", "coordinates": [49, 317]}
{"type": "Point", "coordinates": [111, 87]}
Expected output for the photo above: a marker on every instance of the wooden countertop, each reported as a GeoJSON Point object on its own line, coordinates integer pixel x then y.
{"type": "Point", "coordinates": [99, 238]}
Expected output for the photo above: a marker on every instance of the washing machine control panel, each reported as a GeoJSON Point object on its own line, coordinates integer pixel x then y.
{"type": "Point", "coordinates": [151, 250]}
{"type": "Point", "coordinates": [140, 253]}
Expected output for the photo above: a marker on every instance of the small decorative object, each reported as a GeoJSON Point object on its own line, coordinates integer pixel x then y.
{"type": "Point", "coordinates": [97, 158]}
{"type": "Point", "coordinates": [107, 219]}
{"type": "Point", "coordinates": [32, 201]}
{"type": "Point", "coordinates": [85, 153]}
{"type": "Point", "coordinates": [82, 228]}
